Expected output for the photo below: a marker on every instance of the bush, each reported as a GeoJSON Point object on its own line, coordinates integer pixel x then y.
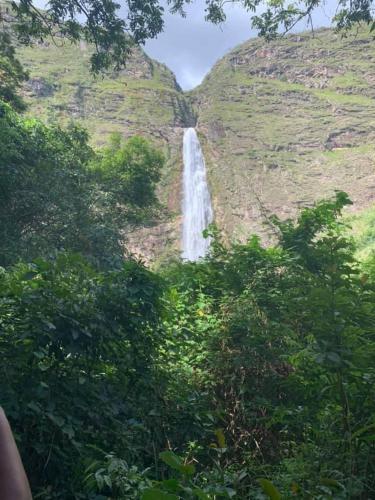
{"type": "Point", "coordinates": [77, 372]}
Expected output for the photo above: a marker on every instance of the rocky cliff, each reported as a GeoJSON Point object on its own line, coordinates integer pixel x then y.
{"type": "Point", "coordinates": [282, 124]}
{"type": "Point", "coordinates": [286, 123]}
{"type": "Point", "coordinates": [142, 99]}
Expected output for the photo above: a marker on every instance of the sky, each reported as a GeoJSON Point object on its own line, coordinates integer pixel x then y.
{"type": "Point", "coordinates": [190, 46]}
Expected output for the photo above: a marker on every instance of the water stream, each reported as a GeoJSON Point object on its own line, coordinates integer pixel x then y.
{"type": "Point", "coordinates": [196, 207]}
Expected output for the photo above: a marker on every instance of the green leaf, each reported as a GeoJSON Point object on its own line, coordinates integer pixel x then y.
{"type": "Point", "coordinates": [156, 494]}
{"type": "Point", "coordinates": [171, 484]}
{"type": "Point", "coordinates": [220, 438]}
{"type": "Point", "coordinates": [269, 489]}
{"type": "Point", "coordinates": [176, 463]}
{"type": "Point", "coordinates": [334, 357]}
{"type": "Point", "coordinates": [369, 439]}
{"type": "Point", "coordinates": [39, 354]}
{"type": "Point", "coordinates": [59, 421]}
{"type": "Point", "coordinates": [34, 406]}
{"type": "Point", "coordinates": [108, 481]}
{"type": "Point", "coordinates": [362, 430]}
{"type": "Point", "coordinates": [50, 325]}
{"type": "Point", "coordinates": [188, 469]}
{"type": "Point", "coordinates": [326, 481]}
{"type": "Point", "coordinates": [201, 494]}
{"type": "Point", "coordinates": [171, 459]}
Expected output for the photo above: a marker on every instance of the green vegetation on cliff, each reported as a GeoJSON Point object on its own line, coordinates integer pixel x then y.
{"type": "Point", "coordinates": [282, 124]}
{"type": "Point", "coordinates": [143, 99]}
{"type": "Point", "coordinates": [287, 122]}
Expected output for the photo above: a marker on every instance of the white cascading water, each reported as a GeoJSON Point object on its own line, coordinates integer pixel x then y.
{"type": "Point", "coordinates": [196, 207]}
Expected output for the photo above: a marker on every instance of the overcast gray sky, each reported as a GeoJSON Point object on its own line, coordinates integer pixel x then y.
{"type": "Point", "coordinates": [190, 46]}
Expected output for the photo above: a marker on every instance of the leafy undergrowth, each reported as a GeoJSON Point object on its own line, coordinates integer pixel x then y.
{"type": "Point", "coordinates": [246, 375]}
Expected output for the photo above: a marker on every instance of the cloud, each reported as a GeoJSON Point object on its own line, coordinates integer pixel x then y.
{"type": "Point", "coordinates": [190, 46]}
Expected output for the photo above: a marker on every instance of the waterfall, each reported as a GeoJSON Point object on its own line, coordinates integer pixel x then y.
{"type": "Point", "coordinates": [196, 207]}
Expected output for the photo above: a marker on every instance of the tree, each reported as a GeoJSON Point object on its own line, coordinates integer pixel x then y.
{"type": "Point", "coordinates": [85, 348]}
{"type": "Point", "coordinates": [102, 26]}
{"type": "Point", "coordinates": [57, 194]}
{"type": "Point", "coordinates": [130, 170]}
{"type": "Point", "coordinates": [12, 75]}
{"type": "Point", "coordinates": [100, 22]}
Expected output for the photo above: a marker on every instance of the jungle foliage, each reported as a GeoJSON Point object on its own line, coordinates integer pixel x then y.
{"type": "Point", "coordinates": [57, 193]}
{"type": "Point", "coordinates": [246, 375]}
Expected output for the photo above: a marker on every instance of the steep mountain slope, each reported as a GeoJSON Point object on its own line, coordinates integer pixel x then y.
{"type": "Point", "coordinates": [286, 123]}
{"type": "Point", "coordinates": [282, 124]}
{"type": "Point", "coordinates": [143, 99]}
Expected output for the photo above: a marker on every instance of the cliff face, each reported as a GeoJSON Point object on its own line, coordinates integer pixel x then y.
{"type": "Point", "coordinates": [286, 123]}
{"type": "Point", "coordinates": [282, 124]}
{"type": "Point", "coordinates": [143, 99]}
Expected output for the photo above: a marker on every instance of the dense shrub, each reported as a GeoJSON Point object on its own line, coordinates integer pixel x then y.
{"type": "Point", "coordinates": [77, 372]}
